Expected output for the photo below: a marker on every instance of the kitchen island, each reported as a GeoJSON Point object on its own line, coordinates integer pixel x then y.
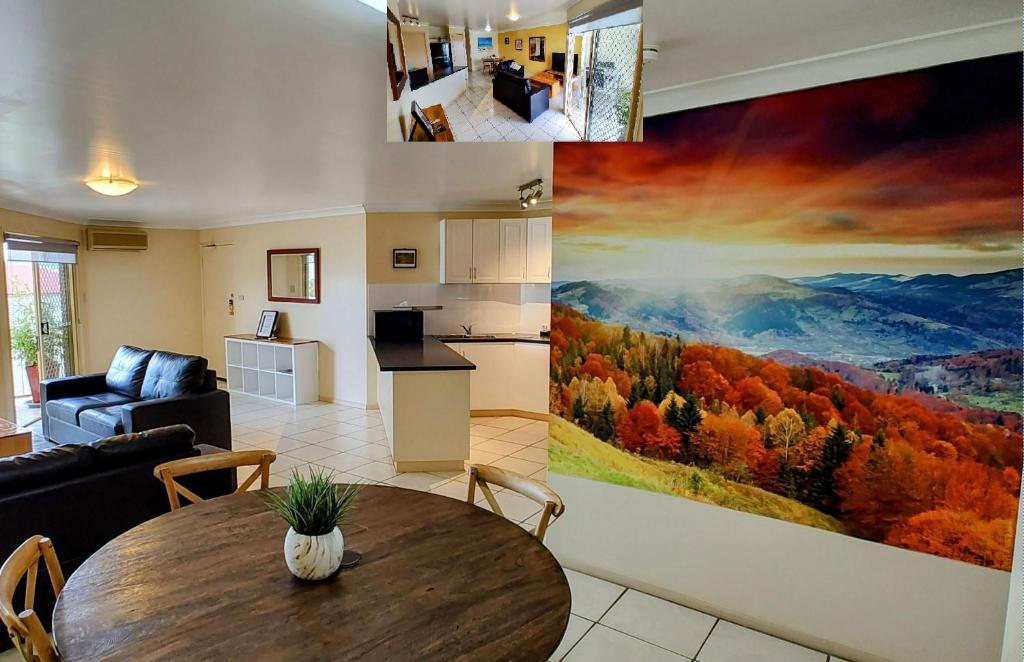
{"type": "Point", "coordinates": [423, 395]}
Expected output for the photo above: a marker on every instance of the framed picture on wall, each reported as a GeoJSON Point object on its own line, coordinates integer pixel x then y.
{"type": "Point", "coordinates": [484, 43]}
{"type": "Point", "coordinates": [267, 328]}
{"type": "Point", "coordinates": [506, 41]}
{"type": "Point", "coordinates": [403, 258]}
{"type": "Point", "coordinates": [519, 44]}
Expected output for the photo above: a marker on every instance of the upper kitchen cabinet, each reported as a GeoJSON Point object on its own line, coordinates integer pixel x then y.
{"type": "Point", "coordinates": [513, 250]}
{"type": "Point", "coordinates": [457, 250]}
{"type": "Point", "coordinates": [470, 250]}
{"type": "Point", "coordinates": [538, 250]}
{"type": "Point", "coordinates": [489, 250]}
{"type": "Point", "coordinates": [486, 250]}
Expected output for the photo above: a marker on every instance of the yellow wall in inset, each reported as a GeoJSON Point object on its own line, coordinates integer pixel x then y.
{"type": "Point", "coordinates": [555, 39]}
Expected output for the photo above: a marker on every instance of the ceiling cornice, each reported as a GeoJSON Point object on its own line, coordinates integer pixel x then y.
{"type": "Point", "coordinates": [461, 207]}
{"type": "Point", "coordinates": [891, 57]}
{"type": "Point", "coordinates": [345, 210]}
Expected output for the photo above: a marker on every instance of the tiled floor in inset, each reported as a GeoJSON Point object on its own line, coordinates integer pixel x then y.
{"type": "Point", "coordinates": [476, 117]}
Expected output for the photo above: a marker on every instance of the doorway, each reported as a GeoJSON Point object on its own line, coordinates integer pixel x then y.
{"type": "Point", "coordinates": [41, 314]}
{"type": "Point", "coordinates": [600, 84]}
{"type": "Point", "coordinates": [218, 303]}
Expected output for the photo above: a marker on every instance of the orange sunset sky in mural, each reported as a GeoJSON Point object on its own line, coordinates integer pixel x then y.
{"type": "Point", "coordinates": [911, 173]}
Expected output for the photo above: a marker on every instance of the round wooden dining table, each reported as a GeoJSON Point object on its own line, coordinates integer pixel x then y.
{"type": "Point", "coordinates": [439, 579]}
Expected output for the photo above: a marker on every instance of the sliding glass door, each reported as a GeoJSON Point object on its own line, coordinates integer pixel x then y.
{"type": "Point", "coordinates": [56, 319]}
{"type": "Point", "coordinates": [41, 313]}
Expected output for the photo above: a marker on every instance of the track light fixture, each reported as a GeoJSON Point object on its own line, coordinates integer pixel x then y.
{"type": "Point", "coordinates": [530, 193]}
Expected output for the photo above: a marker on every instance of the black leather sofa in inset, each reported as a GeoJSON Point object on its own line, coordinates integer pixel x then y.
{"type": "Point", "coordinates": [82, 496]}
{"type": "Point", "coordinates": [526, 99]}
{"type": "Point", "coordinates": [143, 389]}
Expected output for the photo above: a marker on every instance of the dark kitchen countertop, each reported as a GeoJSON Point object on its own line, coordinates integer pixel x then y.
{"type": "Point", "coordinates": [426, 354]}
{"type": "Point", "coordinates": [497, 337]}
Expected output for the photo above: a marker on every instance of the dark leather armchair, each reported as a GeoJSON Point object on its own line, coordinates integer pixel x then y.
{"type": "Point", "coordinates": [525, 98]}
{"type": "Point", "coordinates": [142, 390]}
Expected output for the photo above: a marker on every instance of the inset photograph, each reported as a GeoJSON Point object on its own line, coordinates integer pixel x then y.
{"type": "Point", "coordinates": [514, 71]}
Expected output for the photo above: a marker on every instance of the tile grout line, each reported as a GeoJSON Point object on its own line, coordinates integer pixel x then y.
{"type": "Point", "coordinates": [705, 642]}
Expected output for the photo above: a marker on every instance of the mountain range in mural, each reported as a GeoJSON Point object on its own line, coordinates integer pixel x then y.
{"type": "Point", "coordinates": [857, 318]}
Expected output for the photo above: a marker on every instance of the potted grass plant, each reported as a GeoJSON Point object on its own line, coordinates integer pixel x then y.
{"type": "Point", "coordinates": [315, 508]}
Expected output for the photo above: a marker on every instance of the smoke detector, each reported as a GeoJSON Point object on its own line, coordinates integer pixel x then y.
{"type": "Point", "coordinates": [650, 53]}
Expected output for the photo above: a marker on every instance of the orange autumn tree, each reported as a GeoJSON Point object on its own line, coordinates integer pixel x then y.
{"type": "Point", "coordinates": [642, 431]}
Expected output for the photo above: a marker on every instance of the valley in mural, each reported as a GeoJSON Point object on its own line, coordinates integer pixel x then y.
{"type": "Point", "coordinates": [806, 306]}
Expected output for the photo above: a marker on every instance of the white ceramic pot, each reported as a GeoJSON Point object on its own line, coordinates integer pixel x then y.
{"type": "Point", "coordinates": [313, 557]}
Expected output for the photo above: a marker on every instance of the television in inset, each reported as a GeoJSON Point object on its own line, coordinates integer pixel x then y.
{"type": "Point", "coordinates": [558, 62]}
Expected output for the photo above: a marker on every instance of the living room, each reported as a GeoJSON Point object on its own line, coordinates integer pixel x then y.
{"type": "Point", "coordinates": [510, 82]}
{"type": "Point", "coordinates": [747, 389]}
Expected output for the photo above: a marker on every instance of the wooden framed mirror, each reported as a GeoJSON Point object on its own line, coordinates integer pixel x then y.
{"type": "Point", "coordinates": [397, 73]}
{"type": "Point", "coordinates": [293, 275]}
{"type": "Point", "coordinates": [537, 49]}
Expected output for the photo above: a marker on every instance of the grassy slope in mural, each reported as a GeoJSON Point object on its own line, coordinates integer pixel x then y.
{"type": "Point", "coordinates": [576, 452]}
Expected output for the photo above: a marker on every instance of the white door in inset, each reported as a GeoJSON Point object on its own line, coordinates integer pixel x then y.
{"type": "Point", "coordinates": [513, 250]}
{"type": "Point", "coordinates": [457, 250]}
{"type": "Point", "coordinates": [458, 40]}
{"type": "Point", "coordinates": [486, 250]}
{"type": "Point", "coordinates": [219, 303]}
{"type": "Point", "coordinates": [538, 250]}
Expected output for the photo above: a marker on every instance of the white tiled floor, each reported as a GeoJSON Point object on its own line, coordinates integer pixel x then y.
{"type": "Point", "coordinates": [476, 117]}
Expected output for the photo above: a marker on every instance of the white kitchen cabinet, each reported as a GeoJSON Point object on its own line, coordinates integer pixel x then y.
{"type": "Point", "coordinates": [513, 250]}
{"type": "Point", "coordinates": [491, 250]}
{"type": "Point", "coordinates": [456, 250]}
{"type": "Point", "coordinates": [508, 375]}
{"type": "Point", "coordinates": [532, 373]}
{"type": "Point", "coordinates": [486, 250]}
{"type": "Point", "coordinates": [538, 250]}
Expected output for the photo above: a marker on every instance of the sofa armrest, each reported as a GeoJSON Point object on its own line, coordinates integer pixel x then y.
{"type": "Point", "coordinates": [209, 414]}
{"type": "Point", "coordinates": [72, 387]}
{"type": "Point", "coordinates": [68, 387]}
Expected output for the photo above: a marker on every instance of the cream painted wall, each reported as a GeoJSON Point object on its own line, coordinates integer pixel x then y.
{"type": "Point", "coordinates": [385, 231]}
{"type": "Point", "coordinates": [149, 298]}
{"type": "Point", "coordinates": [338, 321]}
{"type": "Point", "coordinates": [477, 55]}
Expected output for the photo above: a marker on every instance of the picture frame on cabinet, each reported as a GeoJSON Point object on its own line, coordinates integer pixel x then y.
{"type": "Point", "coordinates": [267, 328]}
{"type": "Point", "coordinates": [403, 258]}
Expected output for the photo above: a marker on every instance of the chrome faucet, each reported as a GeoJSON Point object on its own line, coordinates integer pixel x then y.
{"type": "Point", "coordinates": [467, 329]}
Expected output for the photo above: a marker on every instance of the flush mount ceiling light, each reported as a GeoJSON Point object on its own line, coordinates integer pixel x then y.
{"type": "Point", "coordinates": [110, 185]}
{"type": "Point", "coordinates": [530, 193]}
{"type": "Point", "coordinates": [513, 16]}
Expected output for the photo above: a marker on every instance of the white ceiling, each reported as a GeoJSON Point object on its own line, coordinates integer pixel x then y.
{"type": "Point", "coordinates": [706, 39]}
{"type": "Point", "coordinates": [236, 110]}
{"type": "Point", "coordinates": [475, 14]}
{"type": "Point", "coordinates": [225, 111]}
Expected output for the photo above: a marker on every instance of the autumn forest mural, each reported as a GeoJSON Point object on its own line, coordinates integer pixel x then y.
{"type": "Point", "coordinates": [805, 306]}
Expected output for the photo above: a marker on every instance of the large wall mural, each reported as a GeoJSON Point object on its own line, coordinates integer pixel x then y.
{"type": "Point", "coordinates": [805, 306]}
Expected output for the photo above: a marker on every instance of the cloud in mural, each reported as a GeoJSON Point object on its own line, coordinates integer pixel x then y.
{"type": "Point", "coordinates": [805, 306]}
{"type": "Point", "coordinates": [927, 159]}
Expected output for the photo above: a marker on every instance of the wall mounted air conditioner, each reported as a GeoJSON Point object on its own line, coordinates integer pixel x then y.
{"type": "Point", "coordinates": [116, 239]}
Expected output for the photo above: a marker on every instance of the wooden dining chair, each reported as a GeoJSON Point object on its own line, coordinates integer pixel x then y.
{"type": "Point", "coordinates": [485, 475]}
{"type": "Point", "coordinates": [24, 627]}
{"type": "Point", "coordinates": [168, 471]}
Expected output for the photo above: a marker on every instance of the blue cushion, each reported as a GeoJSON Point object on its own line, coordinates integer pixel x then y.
{"type": "Point", "coordinates": [106, 421]}
{"type": "Point", "coordinates": [69, 409]}
{"type": "Point", "coordinates": [127, 370]}
{"type": "Point", "coordinates": [173, 375]}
